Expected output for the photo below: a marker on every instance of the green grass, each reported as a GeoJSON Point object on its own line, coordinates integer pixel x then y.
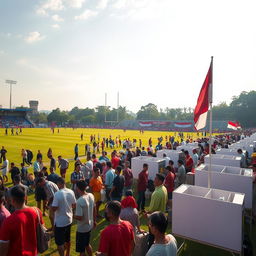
{"type": "Point", "coordinates": [63, 144]}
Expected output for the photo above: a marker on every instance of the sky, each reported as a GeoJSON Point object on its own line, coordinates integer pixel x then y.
{"type": "Point", "coordinates": [67, 53]}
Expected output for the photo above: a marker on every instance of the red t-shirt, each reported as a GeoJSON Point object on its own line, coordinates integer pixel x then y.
{"type": "Point", "coordinates": [115, 162]}
{"type": "Point", "coordinates": [20, 230]}
{"type": "Point", "coordinates": [116, 239]}
{"type": "Point", "coordinates": [189, 162]}
{"type": "Point", "coordinates": [169, 182]}
{"type": "Point", "coordinates": [143, 181]}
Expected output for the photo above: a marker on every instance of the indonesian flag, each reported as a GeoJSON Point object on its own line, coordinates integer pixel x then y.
{"type": "Point", "coordinates": [233, 125]}
{"type": "Point", "coordinates": [182, 125]}
{"type": "Point", "coordinates": [203, 101]}
{"type": "Point", "coordinates": [145, 124]}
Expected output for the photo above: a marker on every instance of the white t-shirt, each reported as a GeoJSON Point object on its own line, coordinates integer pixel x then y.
{"type": "Point", "coordinates": [63, 199]}
{"type": "Point", "coordinates": [5, 167]}
{"type": "Point", "coordinates": [84, 208]}
{"type": "Point", "coordinates": [169, 249]}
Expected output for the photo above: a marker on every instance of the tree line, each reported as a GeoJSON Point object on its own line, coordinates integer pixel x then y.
{"type": "Point", "coordinates": [242, 109]}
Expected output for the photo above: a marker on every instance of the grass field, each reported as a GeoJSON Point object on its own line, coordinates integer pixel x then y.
{"type": "Point", "coordinates": [63, 143]}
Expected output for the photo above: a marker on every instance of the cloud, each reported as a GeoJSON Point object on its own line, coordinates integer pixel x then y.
{"type": "Point", "coordinates": [56, 26]}
{"type": "Point", "coordinates": [86, 15]}
{"type": "Point", "coordinates": [58, 5]}
{"type": "Point", "coordinates": [75, 3]}
{"type": "Point", "coordinates": [34, 37]}
{"type": "Point", "coordinates": [102, 4]}
{"type": "Point", "coordinates": [50, 5]}
{"type": "Point", "coordinates": [2, 52]}
{"type": "Point", "coordinates": [57, 18]}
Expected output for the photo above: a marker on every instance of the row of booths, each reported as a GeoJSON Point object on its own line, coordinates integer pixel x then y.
{"type": "Point", "coordinates": [210, 215]}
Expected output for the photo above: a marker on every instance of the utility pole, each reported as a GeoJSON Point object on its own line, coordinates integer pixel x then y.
{"type": "Point", "coordinates": [10, 82]}
{"type": "Point", "coordinates": [117, 111]}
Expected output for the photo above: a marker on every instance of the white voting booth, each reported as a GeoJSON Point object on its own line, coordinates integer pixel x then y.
{"type": "Point", "coordinates": [189, 148]}
{"type": "Point", "coordinates": [227, 178]}
{"type": "Point", "coordinates": [155, 165]}
{"type": "Point", "coordinates": [226, 160]}
{"type": "Point", "coordinates": [209, 216]}
{"type": "Point", "coordinates": [174, 155]}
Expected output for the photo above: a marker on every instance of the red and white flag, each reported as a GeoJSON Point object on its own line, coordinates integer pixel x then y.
{"type": "Point", "coordinates": [233, 125]}
{"type": "Point", "coordinates": [203, 101]}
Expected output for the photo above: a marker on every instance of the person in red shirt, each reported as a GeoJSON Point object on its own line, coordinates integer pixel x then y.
{"type": "Point", "coordinates": [117, 238]}
{"type": "Point", "coordinates": [188, 161]}
{"type": "Point", "coordinates": [142, 186]}
{"type": "Point", "coordinates": [169, 184]}
{"type": "Point", "coordinates": [18, 232]}
{"type": "Point", "coordinates": [115, 161]}
{"type": "Point", "coordinates": [128, 176]}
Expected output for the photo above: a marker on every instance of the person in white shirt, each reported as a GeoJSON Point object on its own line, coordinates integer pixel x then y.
{"type": "Point", "coordinates": [164, 245]}
{"type": "Point", "coordinates": [64, 202]}
{"type": "Point", "coordinates": [86, 219]}
{"type": "Point", "coordinates": [195, 158]}
{"type": "Point", "coordinates": [87, 169]}
{"type": "Point", "coordinates": [4, 168]}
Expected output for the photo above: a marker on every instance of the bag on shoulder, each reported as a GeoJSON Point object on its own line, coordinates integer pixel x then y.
{"type": "Point", "coordinates": [42, 236]}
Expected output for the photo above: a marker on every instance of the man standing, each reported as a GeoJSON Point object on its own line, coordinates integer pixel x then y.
{"type": "Point", "coordinates": [181, 173]}
{"type": "Point", "coordinates": [4, 213]}
{"type": "Point", "coordinates": [63, 204]}
{"type": "Point", "coordinates": [18, 232]}
{"type": "Point", "coordinates": [142, 186]}
{"type": "Point", "coordinates": [159, 197]}
{"type": "Point", "coordinates": [52, 162]}
{"type": "Point", "coordinates": [128, 176]}
{"type": "Point", "coordinates": [96, 186]}
{"type": "Point", "coordinates": [189, 161]}
{"type": "Point", "coordinates": [195, 158]}
{"type": "Point", "coordinates": [4, 168]}
{"type": "Point", "coordinates": [117, 238]}
{"type": "Point", "coordinates": [50, 189]}
{"type": "Point", "coordinates": [76, 152]}
{"type": "Point", "coordinates": [86, 219]}
{"type": "Point", "coordinates": [36, 167]}
{"type": "Point", "coordinates": [3, 152]}
{"type": "Point", "coordinates": [76, 176]}
{"type": "Point", "coordinates": [118, 186]}
{"type": "Point", "coordinates": [63, 165]}
{"type": "Point", "coordinates": [14, 171]}
{"type": "Point", "coordinates": [53, 177]}
{"type": "Point", "coordinates": [243, 158]}
{"type": "Point", "coordinates": [169, 184]}
{"type": "Point", "coordinates": [110, 175]}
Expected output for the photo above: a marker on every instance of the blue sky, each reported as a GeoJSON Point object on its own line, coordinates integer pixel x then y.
{"type": "Point", "coordinates": [68, 53]}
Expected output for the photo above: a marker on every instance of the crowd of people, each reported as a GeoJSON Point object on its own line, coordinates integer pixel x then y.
{"type": "Point", "coordinates": [99, 180]}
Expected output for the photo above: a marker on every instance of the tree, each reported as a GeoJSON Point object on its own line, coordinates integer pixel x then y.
{"type": "Point", "coordinates": [148, 112]}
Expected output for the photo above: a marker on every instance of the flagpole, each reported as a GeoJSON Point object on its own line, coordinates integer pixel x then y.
{"type": "Point", "coordinates": [210, 136]}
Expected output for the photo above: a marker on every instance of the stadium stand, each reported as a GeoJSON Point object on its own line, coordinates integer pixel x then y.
{"type": "Point", "coordinates": [14, 118]}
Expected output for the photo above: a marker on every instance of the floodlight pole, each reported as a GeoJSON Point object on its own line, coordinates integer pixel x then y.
{"type": "Point", "coordinates": [11, 82]}
{"type": "Point", "coordinates": [117, 114]}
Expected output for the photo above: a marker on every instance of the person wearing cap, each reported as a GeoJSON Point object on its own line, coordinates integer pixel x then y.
{"type": "Point", "coordinates": [195, 158]}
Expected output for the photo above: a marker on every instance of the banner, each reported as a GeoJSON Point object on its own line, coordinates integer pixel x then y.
{"type": "Point", "coordinates": [183, 125]}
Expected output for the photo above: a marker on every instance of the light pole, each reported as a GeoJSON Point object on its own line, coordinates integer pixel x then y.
{"type": "Point", "coordinates": [10, 82]}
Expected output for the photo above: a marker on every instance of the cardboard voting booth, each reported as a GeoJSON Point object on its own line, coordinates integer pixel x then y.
{"type": "Point", "coordinates": [174, 155]}
{"type": "Point", "coordinates": [155, 165]}
{"type": "Point", "coordinates": [209, 216]}
{"type": "Point", "coordinates": [227, 178]}
{"type": "Point", "coordinates": [226, 160]}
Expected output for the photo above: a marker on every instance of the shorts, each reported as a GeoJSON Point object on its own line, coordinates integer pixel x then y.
{"type": "Point", "coordinates": [82, 241]}
{"type": "Point", "coordinates": [40, 194]}
{"type": "Point", "coordinates": [97, 197]}
{"type": "Point", "coordinates": [169, 195]}
{"type": "Point", "coordinates": [63, 171]}
{"type": "Point", "coordinates": [62, 235]}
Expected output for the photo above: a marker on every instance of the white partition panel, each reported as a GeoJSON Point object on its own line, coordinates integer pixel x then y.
{"type": "Point", "coordinates": [227, 178]}
{"type": "Point", "coordinates": [208, 215]}
{"type": "Point", "coordinates": [155, 165]}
